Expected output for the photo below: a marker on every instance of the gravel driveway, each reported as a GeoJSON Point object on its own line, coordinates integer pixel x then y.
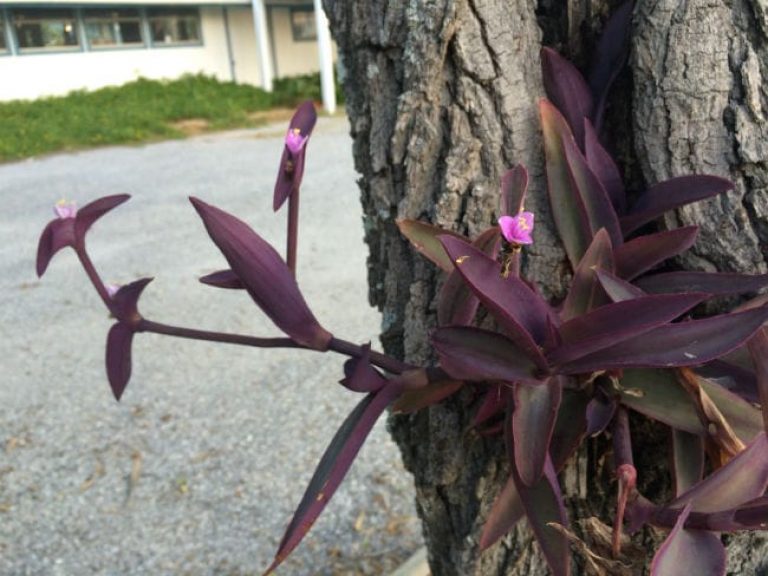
{"type": "Point", "coordinates": [198, 469]}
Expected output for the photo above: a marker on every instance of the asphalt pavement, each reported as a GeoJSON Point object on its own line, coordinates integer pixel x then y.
{"type": "Point", "coordinates": [200, 466]}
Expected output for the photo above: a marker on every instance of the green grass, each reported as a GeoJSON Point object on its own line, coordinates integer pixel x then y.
{"type": "Point", "coordinates": [140, 111]}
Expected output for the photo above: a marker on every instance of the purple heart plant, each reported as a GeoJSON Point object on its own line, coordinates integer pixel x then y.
{"type": "Point", "coordinates": [551, 374]}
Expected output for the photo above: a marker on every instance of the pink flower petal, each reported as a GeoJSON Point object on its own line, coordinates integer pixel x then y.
{"type": "Point", "coordinates": [517, 229]}
{"type": "Point", "coordinates": [294, 141]}
{"type": "Point", "coordinates": [64, 209]}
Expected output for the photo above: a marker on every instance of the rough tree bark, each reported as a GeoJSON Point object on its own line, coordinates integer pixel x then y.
{"type": "Point", "coordinates": [441, 97]}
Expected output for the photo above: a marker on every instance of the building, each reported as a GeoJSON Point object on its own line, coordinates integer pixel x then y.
{"type": "Point", "coordinates": [51, 47]}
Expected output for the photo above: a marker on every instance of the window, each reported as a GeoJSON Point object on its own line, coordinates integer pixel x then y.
{"type": "Point", "coordinates": [38, 30]}
{"type": "Point", "coordinates": [112, 28]}
{"type": "Point", "coordinates": [175, 26]}
{"type": "Point", "coordinates": [3, 42]}
{"type": "Point", "coordinates": [303, 24]}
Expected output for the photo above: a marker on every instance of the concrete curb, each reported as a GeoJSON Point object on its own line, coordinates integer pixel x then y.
{"type": "Point", "coordinates": [416, 565]}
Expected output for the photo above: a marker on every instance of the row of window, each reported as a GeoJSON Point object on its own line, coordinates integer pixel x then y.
{"type": "Point", "coordinates": [34, 30]}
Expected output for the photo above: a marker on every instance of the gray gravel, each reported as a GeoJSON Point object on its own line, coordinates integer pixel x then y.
{"type": "Point", "coordinates": [199, 468]}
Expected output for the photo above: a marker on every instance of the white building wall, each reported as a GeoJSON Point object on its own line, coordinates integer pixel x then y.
{"type": "Point", "coordinates": [34, 75]}
{"type": "Point", "coordinates": [244, 49]}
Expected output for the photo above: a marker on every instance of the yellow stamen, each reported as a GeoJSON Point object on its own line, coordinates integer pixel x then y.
{"type": "Point", "coordinates": [461, 259]}
{"type": "Point", "coordinates": [522, 223]}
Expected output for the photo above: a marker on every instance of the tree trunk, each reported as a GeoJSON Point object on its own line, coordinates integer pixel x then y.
{"type": "Point", "coordinates": [441, 98]}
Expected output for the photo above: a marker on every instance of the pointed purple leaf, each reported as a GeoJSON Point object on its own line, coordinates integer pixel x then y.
{"type": "Point", "coordinates": [570, 427]}
{"type": "Point", "coordinates": [618, 290]}
{"type": "Point", "coordinates": [266, 277]}
{"type": "Point", "coordinates": [223, 279]}
{"type": "Point", "coordinates": [659, 395]}
{"type": "Point", "coordinates": [91, 212]}
{"type": "Point", "coordinates": [414, 400]}
{"type": "Point", "coordinates": [603, 166]}
{"type": "Point", "coordinates": [457, 305]}
{"type": "Point", "coordinates": [686, 552]}
{"type": "Point", "coordinates": [687, 460]}
{"type": "Point", "coordinates": [643, 253]}
{"type": "Point", "coordinates": [737, 379]}
{"type": "Point", "coordinates": [360, 376]}
{"type": "Point", "coordinates": [567, 210]}
{"type": "Point", "coordinates": [743, 478]}
{"type": "Point", "coordinates": [671, 194]}
{"type": "Point", "coordinates": [721, 284]}
{"type": "Point", "coordinates": [600, 411]}
{"type": "Point", "coordinates": [424, 237]}
{"type": "Point", "coordinates": [682, 344]}
{"type": "Point", "coordinates": [125, 302]}
{"type": "Point", "coordinates": [567, 89]}
{"type": "Point", "coordinates": [514, 186]}
{"type": "Point", "coordinates": [597, 205]}
{"type": "Point", "coordinates": [517, 308]}
{"type": "Point", "coordinates": [494, 402]}
{"type": "Point", "coordinates": [291, 168]}
{"type": "Point", "coordinates": [614, 323]}
{"type": "Point", "coordinates": [609, 57]}
{"type": "Point", "coordinates": [58, 234]}
{"type": "Point", "coordinates": [333, 466]}
{"type": "Point", "coordinates": [533, 421]}
{"type": "Point", "coordinates": [480, 355]}
{"type": "Point", "coordinates": [507, 511]}
{"type": "Point", "coordinates": [586, 293]}
{"type": "Point", "coordinates": [118, 357]}
{"type": "Point", "coordinates": [758, 348]}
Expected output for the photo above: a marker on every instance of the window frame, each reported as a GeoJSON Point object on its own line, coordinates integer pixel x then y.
{"type": "Point", "coordinates": [60, 49]}
{"type": "Point", "coordinates": [158, 12]}
{"type": "Point", "coordinates": [139, 18]}
{"type": "Point", "coordinates": [296, 29]}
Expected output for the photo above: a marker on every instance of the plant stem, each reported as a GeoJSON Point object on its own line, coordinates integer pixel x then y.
{"type": "Point", "coordinates": [392, 365]}
{"type": "Point", "coordinates": [293, 230]}
{"type": "Point", "coordinates": [94, 277]}
{"type": "Point", "coordinates": [209, 336]}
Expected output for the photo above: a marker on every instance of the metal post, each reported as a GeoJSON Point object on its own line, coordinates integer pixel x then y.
{"type": "Point", "coordinates": [262, 43]}
{"type": "Point", "coordinates": [327, 86]}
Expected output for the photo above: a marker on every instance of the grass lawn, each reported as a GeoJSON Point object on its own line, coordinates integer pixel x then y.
{"type": "Point", "coordinates": [141, 111]}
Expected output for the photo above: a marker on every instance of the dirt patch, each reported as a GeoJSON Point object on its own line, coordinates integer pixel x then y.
{"type": "Point", "coordinates": [191, 126]}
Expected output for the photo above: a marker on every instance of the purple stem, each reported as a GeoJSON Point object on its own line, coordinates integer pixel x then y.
{"type": "Point", "coordinates": [293, 229]}
{"type": "Point", "coordinates": [392, 365]}
{"type": "Point", "coordinates": [168, 330]}
{"type": "Point", "coordinates": [94, 277]}
{"type": "Point", "coordinates": [622, 441]}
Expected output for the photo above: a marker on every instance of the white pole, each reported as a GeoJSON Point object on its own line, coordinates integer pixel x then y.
{"type": "Point", "coordinates": [262, 43]}
{"type": "Point", "coordinates": [327, 86]}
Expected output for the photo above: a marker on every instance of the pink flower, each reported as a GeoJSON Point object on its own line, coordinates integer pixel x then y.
{"type": "Point", "coordinates": [294, 141]}
{"type": "Point", "coordinates": [517, 229]}
{"type": "Point", "coordinates": [64, 209]}
{"type": "Point", "coordinates": [112, 289]}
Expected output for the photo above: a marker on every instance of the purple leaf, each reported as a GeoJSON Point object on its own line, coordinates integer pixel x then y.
{"type": "Point", "coordinates": [739, 380]}
{"type": "Point", "coordinates": [223, 279]}
{"type": "Point", "coordinates": [570, 427]}
{"type": "Point", "coordinates": [91, 212]}
{"type": "Point", "coordinates": [266, 277]}
{"type": "Point", "coordinates": [125, 302]}
{"type": "Point", "coordinates": [360, 376]}
{"type": "Point", "coordinates": [514, 186]}
{"type": "Point", "coordinates": [457, 305]}
{"type": "Point", "coordinates": [58, 234]}
{"type": "Point", "coordinates": [659, 395]}
{"type": "Point", "coordinates": [758, 348]}
{"type": "Point", "coordinates": [292, 165]}
{"type": "Point", "coordinates": [507, 511]}
{"type": "Point", "coordinates": [686, 552]}
{"type": "Point", "coordinates": [517, 308]}
{"type": "Point", "coordinates": [671, 194]}
{"type": "Point", "coordinates": [424, 237]}
{"type": "Point", "coordinates": [333, 466]}
{"type": "Point", "coordinates": [480, 355]}
{"type": "Point", "coordinates": [597, 205]}
{"type": "Point", "coordinates": [687, 460]}
{"type": "Point", "coordinates": [118, 357]}
{"type": "Point", "coordinates": [586, 293]}
{"type": "Point", "coordinates": [645, 252]}
{"type": "Point", "coordinates": [743, 478]}
{"type": "Point", "coordinates": [722, 284]}
{"type": "Point", "coordinates": [610, 54]}
{"type": "Point", "coordinates": [603, 166]}
{"type": "Point", "coordinates": [618, 290]}
{"type": "Point", "coordinates": [543, 505]}
{"type": "Point", "coordinates": [614, 323]}
{"type": "Point", "coordinates": [495, 401]}
{"type": "Point", "coordinates": [567, 89]}
{"type": "Point", "coordinates": [567, 210]}
{"type": "Point", "coordinates": [600, 411]}
{"type": "Point", "coordinates": [681, 344]}
{"type": "Point", "coordinates": [414, 400]}
{"type": "Point", "coordinates": [533, 421]}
